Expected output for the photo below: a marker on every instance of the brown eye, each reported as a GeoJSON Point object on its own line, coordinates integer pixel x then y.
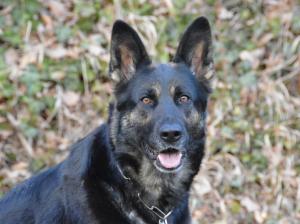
{"type": "Point", "coordinates": [147, 100]}
{"type": "Point", "coordinates": [184, 99]}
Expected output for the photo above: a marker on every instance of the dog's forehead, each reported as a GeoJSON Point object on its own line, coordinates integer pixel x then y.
{"type": "Point", "coordinates": [170, 71]}
{"type": "Point", "coordinates": [166, 74]}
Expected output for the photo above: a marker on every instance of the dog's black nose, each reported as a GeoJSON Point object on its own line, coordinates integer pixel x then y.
{"type": "Point", "coordinates": [170, 132]}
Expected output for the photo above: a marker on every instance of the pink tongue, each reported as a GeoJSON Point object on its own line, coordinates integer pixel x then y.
{"type": "Point", "coordinates": [169, 160]}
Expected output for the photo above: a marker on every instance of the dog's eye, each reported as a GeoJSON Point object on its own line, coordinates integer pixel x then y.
{"type": "Point", "coordinates": [147, 100]}
{"type": "Point", "coordinates": [184, 99]}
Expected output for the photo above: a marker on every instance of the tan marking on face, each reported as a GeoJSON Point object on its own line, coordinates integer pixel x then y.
{"type": "Point", "coordinates": [172, 90]}
{"type": "Point", "coordinates": [196, 120]}
{"type": "Point", "coordinates": [194, 117]}
{"type": "Point", "coordinates": [136, 116]}
{"type": "Point", "coordinates": [157, 88]}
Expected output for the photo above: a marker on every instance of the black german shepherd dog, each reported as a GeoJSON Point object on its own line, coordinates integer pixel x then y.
{"type": "Point", "coordinates": [139, 166]}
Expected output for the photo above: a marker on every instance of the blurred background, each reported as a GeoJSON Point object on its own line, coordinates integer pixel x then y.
{"type": "Point", "coordinates": [54, 89]}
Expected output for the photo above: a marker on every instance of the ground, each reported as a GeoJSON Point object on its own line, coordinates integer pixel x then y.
{"type": "Point", "coordinates": [54, 89]}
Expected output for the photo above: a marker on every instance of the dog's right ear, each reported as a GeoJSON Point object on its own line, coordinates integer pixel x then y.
{"type": "Point", "coordinates": [127, 52]}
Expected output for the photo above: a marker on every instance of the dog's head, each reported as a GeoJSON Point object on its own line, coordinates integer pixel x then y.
{"type": "Point", "coordinates": [160, 109]}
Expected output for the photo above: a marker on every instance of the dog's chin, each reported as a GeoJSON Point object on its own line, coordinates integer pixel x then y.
{"type": "Point", "coordinates": [169, 161]}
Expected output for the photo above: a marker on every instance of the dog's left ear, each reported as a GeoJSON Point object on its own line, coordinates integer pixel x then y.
{"type": "Point", "coordinates": [195, 50]}
{"type": "Point", "coordinates": [127, 52]}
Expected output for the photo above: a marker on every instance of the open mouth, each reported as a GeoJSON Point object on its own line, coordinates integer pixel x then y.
{"type": "Point", "coordinates": [169, 160]}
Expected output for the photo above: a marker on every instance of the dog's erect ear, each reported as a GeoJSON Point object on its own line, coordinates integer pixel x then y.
{"type": "Point", "coordinates": [127, 52]}
{"type": "Point", "coordinates": [195, 50]}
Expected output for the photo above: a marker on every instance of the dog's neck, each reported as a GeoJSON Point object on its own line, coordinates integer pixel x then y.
{"type": "Point", "coordinates": [163, 190]}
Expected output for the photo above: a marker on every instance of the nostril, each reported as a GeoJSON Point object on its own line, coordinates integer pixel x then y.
{"type": "Point", "coordinates": [164, 134]}
{"type": "Point", "coordinates": [170, 135]}
{"type": "Point", "coordinates": [177, 134]}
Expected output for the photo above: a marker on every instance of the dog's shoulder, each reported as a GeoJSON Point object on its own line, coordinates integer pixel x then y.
{"type": "Point", "coordinates": [18, 206]}
{"type": "Point", "coordinates": [57, 189]}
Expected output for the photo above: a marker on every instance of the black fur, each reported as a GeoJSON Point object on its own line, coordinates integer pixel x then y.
{"type": "Point", "coordinates": [114, 173]}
